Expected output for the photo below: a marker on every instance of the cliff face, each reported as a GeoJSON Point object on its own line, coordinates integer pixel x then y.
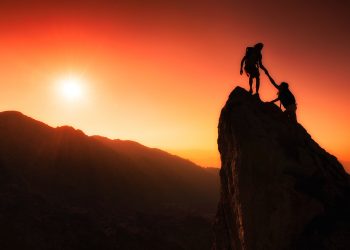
{"type": "Point", "coordinates": [279, 188]}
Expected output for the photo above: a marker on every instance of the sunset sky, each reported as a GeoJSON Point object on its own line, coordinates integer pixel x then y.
{"type": "Point", "coordinates": [159, 72]}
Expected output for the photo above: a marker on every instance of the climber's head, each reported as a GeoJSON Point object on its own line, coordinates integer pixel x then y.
{"type": "Point", "coordinates": [259, 46]}
{"type": "Point", "coordinates": [284, 85]}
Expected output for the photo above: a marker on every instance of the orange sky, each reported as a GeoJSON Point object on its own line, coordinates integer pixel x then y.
{"type": "Point", "coordinates": [159, 72]}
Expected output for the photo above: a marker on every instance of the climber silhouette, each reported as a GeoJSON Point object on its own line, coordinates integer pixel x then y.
{"type": "Point", "coordinates": [286, 98]}
{"type": "Point", "coordinates": [252, 61]}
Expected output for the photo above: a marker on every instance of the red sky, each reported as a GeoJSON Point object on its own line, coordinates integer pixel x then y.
{"type": "Point", "coordinates": [159, 72]}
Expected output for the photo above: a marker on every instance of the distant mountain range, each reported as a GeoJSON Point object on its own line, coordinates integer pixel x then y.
{"type": "Point", "coordinates": [62, 189]}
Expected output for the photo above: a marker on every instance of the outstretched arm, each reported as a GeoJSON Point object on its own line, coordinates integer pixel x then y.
{"type": "Point", "coordinates": [271, 80]}
{"type": "Point", "coordinates": [241, 70]}
{"type": "Point", "coordinates": [261, 64]}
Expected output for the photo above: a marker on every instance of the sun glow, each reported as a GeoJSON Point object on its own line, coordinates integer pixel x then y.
{"type": "Point", "coordinates": [71, 87]}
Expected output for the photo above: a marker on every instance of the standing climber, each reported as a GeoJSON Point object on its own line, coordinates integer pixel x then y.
{"type": "Point", "coordinates": [252, 61]}
{"type": "Point", "coordinates": [286, 98]}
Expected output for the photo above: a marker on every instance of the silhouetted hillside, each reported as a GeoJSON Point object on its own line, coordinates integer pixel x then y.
{"type": "Point", "coordinates": [279, 188]}
{"type": "Point", "coordinates": [346, 165]}
{"type": "Point", "coordinates": [61, 189]}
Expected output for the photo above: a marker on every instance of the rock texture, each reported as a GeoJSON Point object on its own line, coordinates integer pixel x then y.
{"type": "Point", "coordinates": [279, 188]}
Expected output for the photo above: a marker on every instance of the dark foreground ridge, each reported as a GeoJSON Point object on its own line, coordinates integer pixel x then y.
{"type": "Point", "coordinates": [61, 189]}
{"type": "Point", "coordinates": [279, 188]}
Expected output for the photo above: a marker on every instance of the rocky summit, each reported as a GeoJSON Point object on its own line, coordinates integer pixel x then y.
{"type": "Point", "coordinates": [279, 188]}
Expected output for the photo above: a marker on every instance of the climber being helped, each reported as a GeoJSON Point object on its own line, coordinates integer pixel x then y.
{"type": "Point", "coordinates": [252, 62]}
{"type": "Point", "coordinates": [286, 98]}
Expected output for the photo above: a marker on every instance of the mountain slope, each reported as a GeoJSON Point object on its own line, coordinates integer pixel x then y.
{"type": "Point", "coordinates": [279, 188]}
{"type": "Point", "coordinates": [98, 191]}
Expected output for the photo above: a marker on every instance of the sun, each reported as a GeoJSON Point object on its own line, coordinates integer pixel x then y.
{"type": "Point", "coordinates": [71, 87]}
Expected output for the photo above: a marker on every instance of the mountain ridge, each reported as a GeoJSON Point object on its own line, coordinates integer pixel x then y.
{"type": "Point", "coordinates": [17, 115]}
{"type": "Point", "coordinates": [100, 192]}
